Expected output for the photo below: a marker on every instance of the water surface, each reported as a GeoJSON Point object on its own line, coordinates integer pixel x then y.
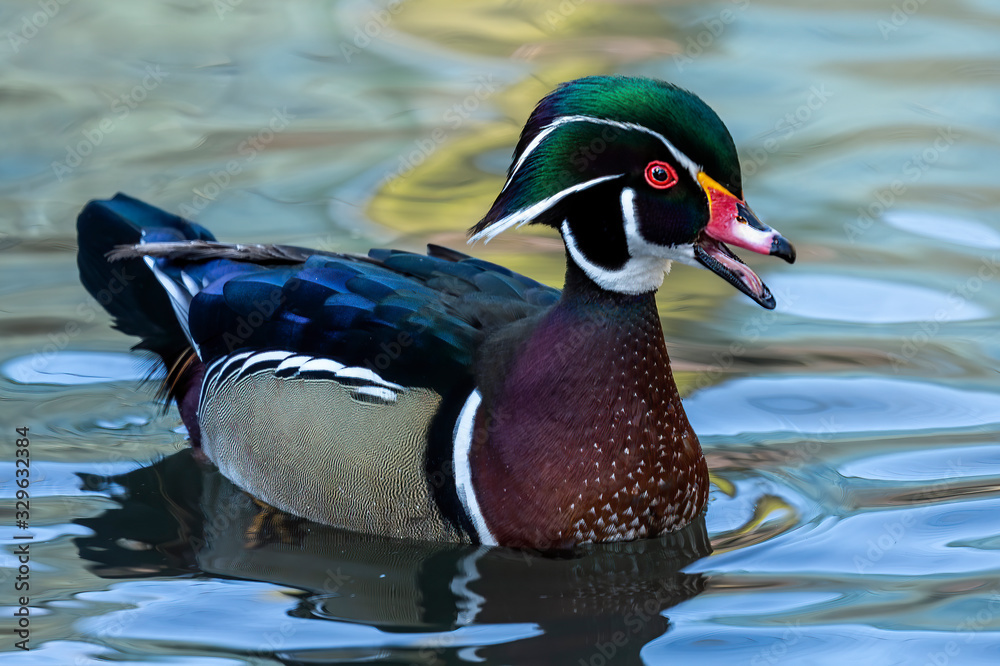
{"type": "Point", "coordinates": [852, 433]}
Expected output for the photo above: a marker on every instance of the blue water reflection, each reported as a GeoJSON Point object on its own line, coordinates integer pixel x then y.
{"type": "Point", "coordinates": [853, 434]}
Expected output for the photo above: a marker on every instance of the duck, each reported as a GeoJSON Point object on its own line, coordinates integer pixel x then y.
{"type": "Point", "coordinates": [436, 396]}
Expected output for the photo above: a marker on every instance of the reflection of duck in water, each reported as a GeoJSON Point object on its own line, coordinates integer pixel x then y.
{"type": "Point", "coordinates": [180, 516]}
{"type": "Point", "coordinates": [441, 397]}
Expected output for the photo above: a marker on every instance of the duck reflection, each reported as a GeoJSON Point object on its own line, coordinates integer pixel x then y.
{"type": "Point", "coordinates": [593, 605]}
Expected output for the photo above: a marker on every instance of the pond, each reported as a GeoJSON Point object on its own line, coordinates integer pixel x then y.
{"type": "Point", "coordinates": [853, 433]}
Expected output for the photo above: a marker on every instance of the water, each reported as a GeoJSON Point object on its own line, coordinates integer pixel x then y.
{"type": "Point", "coordinates": [852, 433]}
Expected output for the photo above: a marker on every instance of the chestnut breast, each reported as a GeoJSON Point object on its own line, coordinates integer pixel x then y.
{"type": "Point", "coordinates": [586, 439]}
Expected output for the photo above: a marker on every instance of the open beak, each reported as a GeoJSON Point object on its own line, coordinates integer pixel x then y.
{"type": "Point", "coordinates": [731, 221]}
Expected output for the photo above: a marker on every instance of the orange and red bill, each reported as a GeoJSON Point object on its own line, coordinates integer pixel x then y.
{"type": "Point", "coordinates": [731, 221]}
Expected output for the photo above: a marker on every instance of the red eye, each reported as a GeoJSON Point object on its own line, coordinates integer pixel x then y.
{"type": "Point", "coordinates": [660, 175]}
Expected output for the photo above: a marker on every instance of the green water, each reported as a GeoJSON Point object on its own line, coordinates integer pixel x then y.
{"type": "Point", "coordinates": [852, 433]}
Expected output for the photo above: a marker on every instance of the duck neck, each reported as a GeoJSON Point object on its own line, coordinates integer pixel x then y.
{"type": "Point", "coordinates": [587, 432]}
{"type": "Point", "coordinates": [581, 293]}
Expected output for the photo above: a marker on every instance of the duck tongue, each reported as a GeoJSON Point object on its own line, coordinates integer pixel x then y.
{"type": "Point", "coordinates": [719, 259]}
{"type": "Point", "coordinates": [733, 222]}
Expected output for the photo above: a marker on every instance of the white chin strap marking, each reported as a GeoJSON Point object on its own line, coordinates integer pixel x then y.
{"type": "Point", "coordinates": [647, 265]}
{"type": "Point", "coordinates": [638, 246]}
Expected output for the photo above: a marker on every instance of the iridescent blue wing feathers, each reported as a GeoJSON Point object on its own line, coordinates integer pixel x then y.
{"type": "Point", "coordinates": [414, 319]}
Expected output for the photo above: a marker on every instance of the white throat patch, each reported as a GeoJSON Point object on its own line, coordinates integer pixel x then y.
{"type": "Point", "coordinates": [647, 265]}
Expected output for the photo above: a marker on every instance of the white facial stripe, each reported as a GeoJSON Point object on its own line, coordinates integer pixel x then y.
{"type": "Point", "coordinates": [639, 274]}
{"type": "Point", "coordinates": [648, 262]}
{"type": "Point", "coordinates": [464, 428]}
{"type": "Point", "coordinates": [525, 215]}
{"type": "Point", "coordinates": [683, 159]}
{"type": "Point", "coordinates": [638, 246]}
{"type": "Point", "coordinates": [631, 219]}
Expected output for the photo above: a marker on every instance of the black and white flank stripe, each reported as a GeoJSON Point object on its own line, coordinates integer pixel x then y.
{"type": "Point", "coordinates": [365, 385]}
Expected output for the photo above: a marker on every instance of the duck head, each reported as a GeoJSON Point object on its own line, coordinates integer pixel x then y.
{"type": "Point", "coordinates": [634, 173]}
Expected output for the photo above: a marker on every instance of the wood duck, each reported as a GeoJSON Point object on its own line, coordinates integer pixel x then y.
{"type": "Point", "coordinates": [438, 396]}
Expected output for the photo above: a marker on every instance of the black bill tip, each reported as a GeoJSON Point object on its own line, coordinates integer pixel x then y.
{"type": "Point", "coordinates": [782, 248]}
